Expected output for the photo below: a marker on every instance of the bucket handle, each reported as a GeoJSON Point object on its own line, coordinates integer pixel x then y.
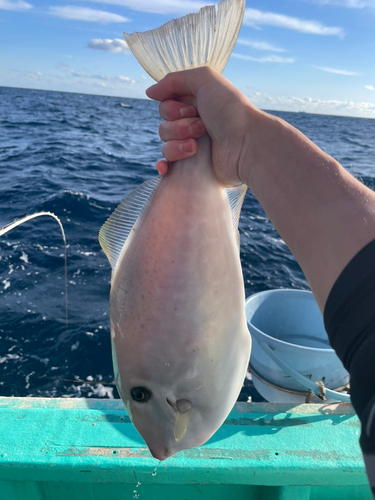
{"type": "Point", "coordinates": [301, 379]}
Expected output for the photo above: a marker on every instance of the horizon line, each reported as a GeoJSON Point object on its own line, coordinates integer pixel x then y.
{"type": "Point", "coordinates": [145, 99]}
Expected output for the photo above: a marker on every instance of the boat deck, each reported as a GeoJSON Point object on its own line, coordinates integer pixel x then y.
{"type": "Point", "coordinates": [52, 449]}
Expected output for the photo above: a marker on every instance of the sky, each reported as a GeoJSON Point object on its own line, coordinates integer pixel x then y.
{"type": "Point", "coordinates": [293, 55]}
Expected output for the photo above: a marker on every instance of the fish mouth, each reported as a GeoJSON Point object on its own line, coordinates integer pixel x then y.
{"type": "Point", "coordinates": [161, 454]}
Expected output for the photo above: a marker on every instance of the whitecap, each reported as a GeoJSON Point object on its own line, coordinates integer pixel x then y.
{"type": "Point", "coordinates": [6, 284]}
{"type": "Point", "coordinates": [7, 357]}
{"type": "Point", "coordinates": [100, 391]}
{"type": "Point", "coordinates": [24, 257]}
{"type": "Point", "coordinates": [74, 346]}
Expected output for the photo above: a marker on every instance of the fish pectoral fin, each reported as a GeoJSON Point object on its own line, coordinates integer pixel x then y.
{"type": "Point", "coordinates": [206, 38]}
{"type": "Point", "coordinates": [181, 424]}
{"type": "Point", "coordinates": [236, 195]}
{"type": "Point", "coordinates": [115, 231]}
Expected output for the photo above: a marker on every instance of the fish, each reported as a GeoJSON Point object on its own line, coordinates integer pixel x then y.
{"type": "Point", "coordinates": [179, 336]}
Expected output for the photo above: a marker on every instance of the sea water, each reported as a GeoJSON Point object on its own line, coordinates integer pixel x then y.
{"type": "Point", "coordinates": [78, 156]}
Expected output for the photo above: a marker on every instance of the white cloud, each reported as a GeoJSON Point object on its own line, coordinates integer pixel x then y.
{"type": "Point", "coordinates": [271, 58]}
{"type": "Point", "coordinates": [84, 75]}
{"type": "Point", "coordinates": [256, 18]}
{"type": "Point", "coordinates": [259, 45]}
{"type": "Point", "coordinates": [86, 14]}
{"type": "Point", "coordinates": [158, 6]}
{"type": "Point", "coordinates": [34, 74]}
{"type": "Point", "coordinates": [350, 4]}
{"type": "Point", "coordinates": [126, 79]}
{"type": "Point", "coordinates": [115, 46]}
{"type": "Point", "coordinates": [309, 105]}
{"type": "Point", "coordinates": [337, 71]}
{"type": "Point", "coordinates": [369, 87]}
{"type": "Point", "coordinates": [113, 79]}
{"type": "Point", "coordinates": [64, 80]}
{"type": "Point", "coordinates": [17, 5]}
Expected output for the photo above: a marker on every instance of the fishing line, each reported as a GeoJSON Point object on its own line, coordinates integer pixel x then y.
{"type": "Point", "coordinates": [18, 222]}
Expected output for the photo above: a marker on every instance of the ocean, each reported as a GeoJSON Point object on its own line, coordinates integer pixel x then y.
{"type": "Point", "coordinates": [78, 156]}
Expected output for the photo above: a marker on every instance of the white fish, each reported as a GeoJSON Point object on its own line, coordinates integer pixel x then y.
{"type": "Point", "coordinates": [180, 341]}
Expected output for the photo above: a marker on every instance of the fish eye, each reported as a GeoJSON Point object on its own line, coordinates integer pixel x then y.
{"type": "Point", "coordinates": [140, 394]}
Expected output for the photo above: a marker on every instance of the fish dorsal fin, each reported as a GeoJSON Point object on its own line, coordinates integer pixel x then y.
{"type": "Point", "coordinates": [114, 232]}
{"type": "Point", "coordinates": [203, 39]}
{"type": "Point", "coordinates": [236, 195]}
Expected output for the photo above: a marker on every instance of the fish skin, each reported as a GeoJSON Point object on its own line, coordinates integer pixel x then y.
{"type": "Point", "coordinates": [177, 299]}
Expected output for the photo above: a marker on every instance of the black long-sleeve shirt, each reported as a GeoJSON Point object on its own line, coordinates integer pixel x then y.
{"type": "Point", "coordinates": [349, 318]}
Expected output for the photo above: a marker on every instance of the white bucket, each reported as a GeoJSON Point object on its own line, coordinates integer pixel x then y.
{"type": "Point", "coordinates": [291, 358]}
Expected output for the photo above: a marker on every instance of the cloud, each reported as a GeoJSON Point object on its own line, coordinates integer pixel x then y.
{"type": "Point", "coordinates": [113, 79]}
{"type": "Point", "coordinates": [271, 58]}
{"type": "Point", "coordinates": [126, 79]}
{"type": "Point", "coordinates": [337, 71]}
{"type": "Point", "coordinates": [84, 75]}
{"type": "Point", "coordinates": [369, 87]}
{"type": "Point", "coordinates": [17, 5]}
{"type": "Point", "coordinates": [158, 6]}
{"type": "Point", "coordinates": [256, 18]}
{"type": "Point", "coordinates": [86, 14]}
{"type": "Point", "coordinates": [259, 45]}
{"type": "Point", "coordinates": [350, 4]}
{"type": "Point", "coordinates": [309, 105]}
{"type": "Point", "coordinates": [114, 46]}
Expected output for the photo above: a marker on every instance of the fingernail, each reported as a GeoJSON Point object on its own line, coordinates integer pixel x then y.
{"type": "Point", "coordinates": [187, 111]}
{"type": "Point", "coordinates": [187, 147]}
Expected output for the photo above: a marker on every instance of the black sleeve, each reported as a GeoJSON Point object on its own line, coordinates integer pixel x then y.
{"type": "Point", "coordinates": [349, 319]}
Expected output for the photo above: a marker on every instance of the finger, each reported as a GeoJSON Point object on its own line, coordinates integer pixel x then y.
{"type": "Point", "coordinates": [184, 128]}
{"type": "Point", "coordinates": [174, 110]}
{"type": "Point", "coordinates": [162, 167]}
{"type": "Point", "coordinates": [172, 86]}
{"type": "Point", "coordinates": [179, 84]}
{"type": "Point", "coordinates": [179, 150]}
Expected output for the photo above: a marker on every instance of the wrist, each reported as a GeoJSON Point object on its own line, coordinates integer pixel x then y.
{"type": "Point", "coordinates": [254, 142]}
{"type": "Point", "coordinates": [265, 139]}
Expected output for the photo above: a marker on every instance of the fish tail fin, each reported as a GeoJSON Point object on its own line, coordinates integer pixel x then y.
{"type": "Point", "coordinates": [206, 38]}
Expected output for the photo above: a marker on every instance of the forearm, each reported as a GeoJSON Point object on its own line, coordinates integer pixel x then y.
{"type": "Point", "coordinates": [324, 215]}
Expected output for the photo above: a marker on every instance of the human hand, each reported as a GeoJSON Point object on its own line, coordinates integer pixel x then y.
{"type": "Point", "coordinates": [200, 100]}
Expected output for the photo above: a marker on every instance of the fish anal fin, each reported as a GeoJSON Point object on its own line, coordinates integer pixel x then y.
{"type": "Point", "coordinates": [115, 231]}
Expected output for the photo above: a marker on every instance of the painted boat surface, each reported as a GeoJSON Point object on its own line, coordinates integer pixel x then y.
{"type": "Point", "coordinates": [52, 449]}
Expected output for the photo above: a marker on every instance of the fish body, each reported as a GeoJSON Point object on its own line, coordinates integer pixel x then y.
{"type": "Point", "coordinates": [180, 341]}
{"type": "Point", "coordinates": [177, 309]}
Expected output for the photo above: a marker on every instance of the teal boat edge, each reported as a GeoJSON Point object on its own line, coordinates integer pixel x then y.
{"type": "Point", "coordinates": [88, 448]}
